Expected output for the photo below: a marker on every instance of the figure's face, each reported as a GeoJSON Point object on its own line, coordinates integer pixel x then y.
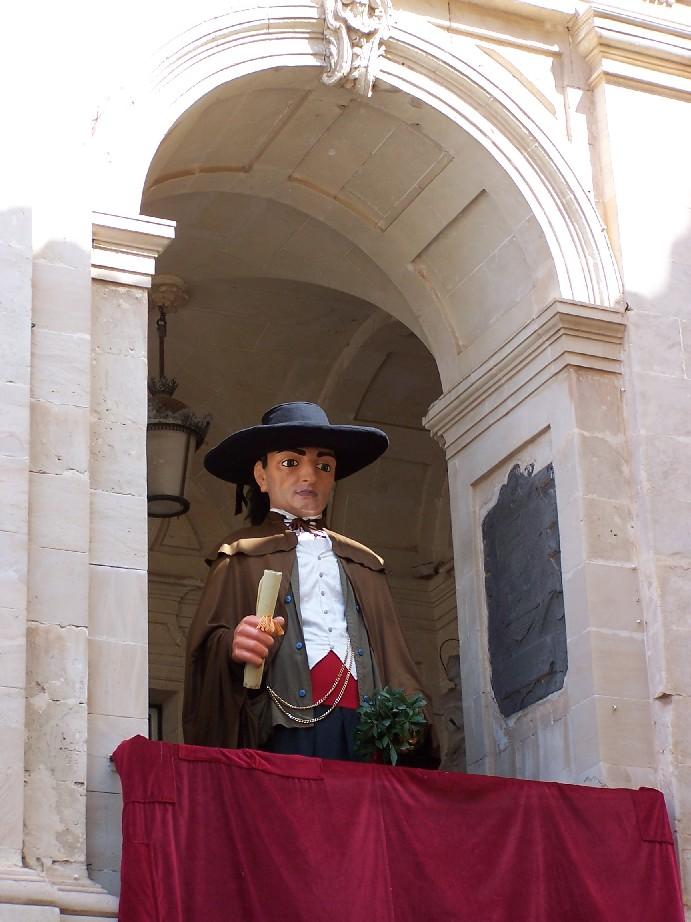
{"type": "Point", "coordinates": [299, 480]}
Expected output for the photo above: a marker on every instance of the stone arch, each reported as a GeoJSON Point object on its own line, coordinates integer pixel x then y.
{"type": "Point", "coordinates": [505, 122]}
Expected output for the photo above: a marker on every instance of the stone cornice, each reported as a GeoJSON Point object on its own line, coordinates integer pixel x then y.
{"type": "Point", "coordinates": [564, 334]}
{"type": "Point", "coordinates": [635, 49]}
{"type": "Point", "coordinates": [550, 11]}
{"type": "Point", "coordinates": [124, 249]}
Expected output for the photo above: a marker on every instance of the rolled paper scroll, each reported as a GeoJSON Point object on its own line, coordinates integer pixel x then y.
{"type": "Point", "coordinates": [267, 593]}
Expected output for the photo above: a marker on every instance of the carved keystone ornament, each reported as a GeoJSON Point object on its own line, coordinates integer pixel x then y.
{"type": "Point", "coordinates": [353, 30]}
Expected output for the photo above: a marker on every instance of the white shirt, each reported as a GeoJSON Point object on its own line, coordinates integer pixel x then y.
{"type": "Point", "coordinates": [322, 606]}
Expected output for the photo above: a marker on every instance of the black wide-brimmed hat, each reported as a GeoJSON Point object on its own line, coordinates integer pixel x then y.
{"type": "Point", "coordinates": [295, 425]}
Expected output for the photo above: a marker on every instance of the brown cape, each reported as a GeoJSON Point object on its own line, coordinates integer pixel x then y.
{"type": "Point", "coordinates": [215, 702]}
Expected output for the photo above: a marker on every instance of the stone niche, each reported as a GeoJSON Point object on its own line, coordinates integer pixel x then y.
{"type": "Point", "coordinates": [523, 586]}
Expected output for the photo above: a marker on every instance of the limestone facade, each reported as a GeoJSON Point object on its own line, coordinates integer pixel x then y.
{"type": "Point", "coordinates": [496, 242]}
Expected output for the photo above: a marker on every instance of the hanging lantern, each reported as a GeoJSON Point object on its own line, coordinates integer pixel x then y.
{"type": "Point", "coordinates": [173, 432]}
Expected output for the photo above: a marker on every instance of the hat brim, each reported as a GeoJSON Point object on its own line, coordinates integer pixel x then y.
{"type": "Point", "coordinates": [355, 447]}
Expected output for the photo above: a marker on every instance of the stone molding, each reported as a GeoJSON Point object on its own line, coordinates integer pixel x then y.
{"type": "Point", "coordinates": [23, 887]}
{"type": "Point", "coordinates": [124, 249]}
{"type": "Point", "coordinates": [353, 30]}
{"type": "Point", "coordinates": [564, 334]}
{"type": "Point", "coordinates": [634, 49]}
{"type": "Point", "coordinates": [86, 898]}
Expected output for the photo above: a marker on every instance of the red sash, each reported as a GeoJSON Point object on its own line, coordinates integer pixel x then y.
{"type": "Point", "coordinates": [323, 677]}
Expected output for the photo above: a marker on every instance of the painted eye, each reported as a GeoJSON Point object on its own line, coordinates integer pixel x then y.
{"type": "Point", "coordinates": [325, 467]}
{"type": "Point", "coordinates": [289, 462]}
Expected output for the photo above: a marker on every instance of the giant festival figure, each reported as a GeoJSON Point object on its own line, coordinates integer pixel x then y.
{"type": "Point", "coordinates": [341, 638]}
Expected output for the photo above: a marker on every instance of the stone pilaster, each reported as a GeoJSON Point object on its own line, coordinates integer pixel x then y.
{"type": "Point", "coordinates": [640, 63]}
{"type": "Point", "coordinates": [552, 394]}
{"type": "Point", "coordinates": [124, 252]}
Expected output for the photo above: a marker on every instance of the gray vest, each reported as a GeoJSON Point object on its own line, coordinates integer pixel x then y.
{"type": "Point", "coordinates": [289, 672]}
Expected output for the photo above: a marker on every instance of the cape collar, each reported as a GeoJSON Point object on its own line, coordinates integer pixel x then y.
{"type": "Point", "coordinates": [272, 536]}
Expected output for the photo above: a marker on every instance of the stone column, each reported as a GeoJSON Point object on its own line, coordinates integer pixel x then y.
{"type": "Point", "coordinates": [56, 668]}
{"type": "Point", "coordinates": [16, 271]}
{"type": "Point", "coordinates": [552, 393]}
{"type": "Point", "coordinates": [123, 263]}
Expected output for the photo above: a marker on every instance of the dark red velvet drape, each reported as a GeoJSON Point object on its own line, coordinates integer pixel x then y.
{"type": "Point", "coordinates": [214, 835]}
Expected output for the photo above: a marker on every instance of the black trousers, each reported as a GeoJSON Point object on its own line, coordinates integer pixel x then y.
{"type": "Point", "coordinates": [331, 738]}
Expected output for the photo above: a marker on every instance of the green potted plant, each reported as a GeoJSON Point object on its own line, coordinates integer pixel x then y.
{"type": "Point", "coordinates": [390, 723]}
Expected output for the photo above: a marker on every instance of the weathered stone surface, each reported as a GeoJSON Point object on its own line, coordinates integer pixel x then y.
{"type": "Point", "coordinates": [677, 646]}
{"type": "Point", "coordinates": [656, 344]}
{"type": "Point", "coordinates": [60, 743]}
{"type": "Point", "coordinates": [118, 679]}
{"type": "Point", "coordinates": [59, 438]}
{"type": "Point", "coordinates": [609, 530]}
{"type": "Point", "coordinates": [603, 467]}
{"type": "Point", "coordinates": [103, 819]}
{"type": "Point", "coordinates": [674, 584]}
{"type": "Point", "coordinates": [118, 604]}
{"type": "Point", "coordinates": [597, 402]}
{"type": "Point", "coordinates": [59, 511]}
{"type": "Point", "coordinates": [119, 391]}
{"type": "Point", "coordinates": [12, 647]}
{"type": "Point", "coordinates": [14, 420]}
{"type": "Point", "coordinates": [618, 663]}
{"type": "Point", "coordinates": [14, 495]}
{"type": "Point", "coordinates": [59, 590]}
{"type": "Point", "coordinates": [119, 530]}
{"type": "Point", "coordinates": [667, 461]}
{"type": "Point", "coordinates": [670, 518]}
{"type": "Point", "coordinates": [120, 317]}
{"type": "Point", "coordinates": [11, 770]}
{"type": "Point", "coordinates": [603, 595]}
{"type": "Point", "coordinates": [13, 572]}
{"type": "Point", "coordinates": [105, 735]}
{"type": "Point", "coordinates": [62, 298]}
{"type": "Point", "coordinates": [60, 368]}
{"type": "Point", "coordinates": [54, 819]}
{"type": "Point", "coordinates": [118, 457]}
{"type": "Point", "coordinates": [626, 732]}
{"type": "Point", "coordinates": [665, 405]}
{"type": "Point", "coordinates": [15, 311]}
{"type": "Point", "coordinates": [57, 662]}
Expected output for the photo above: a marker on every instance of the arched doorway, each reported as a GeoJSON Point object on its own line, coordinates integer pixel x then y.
{"type": "Point", "coordinates": [325, 239]}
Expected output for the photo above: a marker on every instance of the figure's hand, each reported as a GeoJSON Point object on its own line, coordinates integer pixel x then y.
{"type": "Point", "coordinates": [250, 645]}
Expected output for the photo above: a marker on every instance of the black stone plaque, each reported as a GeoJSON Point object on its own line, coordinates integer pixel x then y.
{"type": "Point", "coordinates": [525, 598]}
